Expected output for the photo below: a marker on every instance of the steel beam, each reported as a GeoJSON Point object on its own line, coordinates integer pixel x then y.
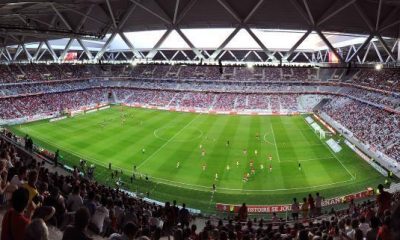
{"type": "Point", "coordinates": [385, 46]}
{"type": "Point", "coordinates": [51, 51]}
{"type": "Point", "coordinates": [326, 41]}
{"type": "Point", "coordinates": [129, 44]}
{"type": "Point", "coordinates": [156, 47]}
{"type": "Point", "coordinates": [105, 46]}
{"type": "Point", "coordinates": [296, 45]}
{"type": "Point", "coordinates": [189, 43]}
{"type": "Point", "coordinates": [331, 15]}
{"type": "Point", "coordinates": [224, 43]}
{"type": "Point", "coordinates": [365, 43]}
{"type": "Point", "coordinates": [66, 23]}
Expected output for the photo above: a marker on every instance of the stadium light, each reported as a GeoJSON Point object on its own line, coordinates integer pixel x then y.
{"type": "Point", "coordinates": [378, 67]}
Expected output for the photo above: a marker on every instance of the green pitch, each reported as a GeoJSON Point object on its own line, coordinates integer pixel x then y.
{"type": "Point", "coordinates": [156, 142]}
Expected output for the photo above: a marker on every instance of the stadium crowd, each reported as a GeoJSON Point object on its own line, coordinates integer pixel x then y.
{"type": "Point", "coordinates": [387, 79]}
{"type": "Point", "coordinates": [375, 127]}
{"type": "Point", "coordinates": [43, 204]}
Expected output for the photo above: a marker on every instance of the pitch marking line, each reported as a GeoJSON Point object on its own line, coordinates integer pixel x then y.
{"type": "Point", "coordinates": [155, 133]}
{"type": "Point", "coordinates": [265, 140]}
{"type": "Point", "coordinates": [167, 142]}
{"type": "Point", "coordinates": [276, 148]}
{"type": "Point", "coordinates": [308, 160]}
{"type": "Point", "coordinates": [334, 155]}
{"type": "Point", "coordinates": [188, 185]}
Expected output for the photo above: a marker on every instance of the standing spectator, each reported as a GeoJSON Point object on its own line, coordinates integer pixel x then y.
{"type": "Point", "coordinates": [384, 232]}
{"type": "Point", "coordinates": [311, 204]}
{"type": "Point", "coordinates": [101, 214]}
{"type": "Point", "coordinates": [318, 205]}
{"type": "Point", "coordinates": [243, 213]}
{"type": "Point", "coordinates": [78, 230]}
{"type": "Point", "coordinates": [364, 226]}
{"type": "Point", "coordinates": [33, 192]}
{"type": "Point", "coordinates": [373, 232]}
{"type": "Point", "coordinates": [295, 209]}
{"type": "Point", "coordinates": [19, 180]}
{"type": "Point", "coordinates": [74, 201]}
{"type": "Point", "coordinates": [383, 199]}
{"type": "Point", "coordinates": [56, 156]}
{"type": "Point", "coordinates": [184, 216]}
{"type": "Point", "coordinates": [14, 222]}
{"type": "Point", "coordinates": [304, 209]}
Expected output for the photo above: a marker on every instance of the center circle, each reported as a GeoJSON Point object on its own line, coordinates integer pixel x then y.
{"type": "Point", "coordinates": [174, 133]}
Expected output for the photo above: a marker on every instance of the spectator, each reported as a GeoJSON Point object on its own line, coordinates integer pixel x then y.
{"type": "Point", "coordinates": [74, 201]}
{"type": "Point", "coordinates": [304, 209]}
{"type": "Point", "coordinates": [373, 232]}
{"type": "Point", "coordinates": [129, 232]}
{"type": "Point", "coordinates": [100, 215]}
{"type": "Point", "coordinates": [383, 200]}
{"type": "Point", "coordinates": [37, 230]}
{"type": "Point", "coordinates": [78, 230]}
{"type": "Point", "coordinates": [243, 213]}
{"type": "Point", "coordinates": [14, 222]}
{"type": "Point", "coordinates": [295, 209]}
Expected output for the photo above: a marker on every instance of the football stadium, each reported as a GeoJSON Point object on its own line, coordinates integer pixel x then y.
{"type": "Point", "coordinates": [200, 119]}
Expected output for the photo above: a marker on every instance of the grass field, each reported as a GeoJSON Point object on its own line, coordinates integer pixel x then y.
{"type": "Point", "coordinates": [171, 137]}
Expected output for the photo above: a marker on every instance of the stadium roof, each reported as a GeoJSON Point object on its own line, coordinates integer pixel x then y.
{"type": "Point", "coordinates": [101, 26]}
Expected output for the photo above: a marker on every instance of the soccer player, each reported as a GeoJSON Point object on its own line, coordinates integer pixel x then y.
{"type": "Point", "coordinates": [262, 166]}
{"type": "Point", "coordinates": [299, 166]}
{"type": "Point", "coordinates": [237, 163]}
{"type": "Point", "coordinates": [214, 187]}
{"type": "Point", "coordinates": [134, 168]}
{"type": "Point", "coordinates": [251, 163]}
{"type": "Point", "coordinates": [177, 164]}
{"type": "Point", "coordinates": [244, 151]}
{"type": "Point", "coordinates": [201, 146]}
{"type": "Point", "coordinates": [216, 176]}
{"type": "Point", "coordinates": [270, 167]}
{"type": "Point", "coordinates": [203, 152]}
{"type": "Point", "coordinates": [204, 166]}
{"type": "Point", "coordinates": [228, 167]}
{"type": "Point", "coordinates": [253, 171]}
{"type": "Point", "coordinates": [143, 151]}
{"type": "Point", "coordinates": [245, 178]}
{"type": "Point", "coordinates": [257, 135]}
{"type": "Point", "coordinates": [255, 152]}
{"type": "Point", "coordinates": [109, 166]}
{"type": "Point", "coordinates": [270, 157]}
{"type": "Point", "coordinates": [227, 143]}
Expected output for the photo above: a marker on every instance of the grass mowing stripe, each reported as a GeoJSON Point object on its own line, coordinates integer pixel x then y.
{"type": "Point", "coordinates": [189, 184]}
{"type": "Point", "coordinates": [167, 142]}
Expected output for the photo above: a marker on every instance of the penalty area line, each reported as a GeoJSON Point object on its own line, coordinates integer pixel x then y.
{"type": "Point", "coordinates": [334, 155]}
{"type": "Point", "coordinates": [276, 148]}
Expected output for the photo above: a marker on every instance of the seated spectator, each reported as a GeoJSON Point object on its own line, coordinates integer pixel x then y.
{"type": "Point", "coordinates": [78, 229]}
{"type": "Point", "coordinates": [14, 221]}
{"type": "Point", "coordinates": [37, 230]}
{"type": "Point", "coordinates": [128, 232]}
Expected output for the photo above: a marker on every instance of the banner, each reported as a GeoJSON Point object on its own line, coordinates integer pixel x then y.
{"type": "Point", "coordinates": [256, 209]}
